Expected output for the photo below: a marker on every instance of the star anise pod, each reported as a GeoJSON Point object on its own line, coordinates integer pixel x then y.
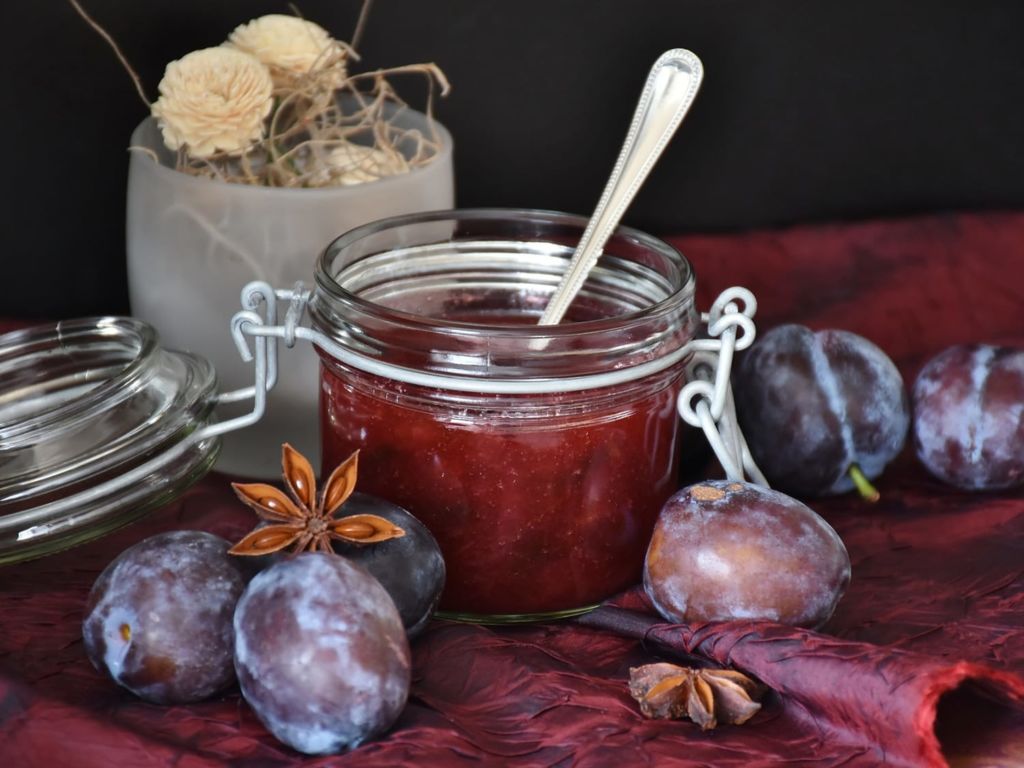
{"type": "Point", "coordinates": [305, 521]}
{"type": "Point", "coordinates": [706, 696]}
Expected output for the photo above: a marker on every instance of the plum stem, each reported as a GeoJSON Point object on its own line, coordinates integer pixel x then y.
{"type": "Point", "coordinates": [867, 491]}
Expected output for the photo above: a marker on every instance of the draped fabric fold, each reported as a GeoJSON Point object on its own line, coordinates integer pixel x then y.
{"type": "Point", "coordinates": [864, 694]}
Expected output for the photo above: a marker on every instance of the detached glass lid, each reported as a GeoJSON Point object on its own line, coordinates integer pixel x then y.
{"type": "Point", "coordinates": [98, 426]}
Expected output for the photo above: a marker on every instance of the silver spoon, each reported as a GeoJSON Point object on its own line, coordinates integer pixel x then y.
{"type": "Point", "coordinates": [668, 93]}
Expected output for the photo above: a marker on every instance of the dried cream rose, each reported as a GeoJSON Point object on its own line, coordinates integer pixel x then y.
{"type": "Point", "coordinates": [358, 164]}
{"type": "Point", "coordinates": [290, 46]}
{"type": "Point", "coordinates": [214, 100]}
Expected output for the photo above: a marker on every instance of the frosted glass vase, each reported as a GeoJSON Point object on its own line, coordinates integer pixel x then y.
{"type": "Point", "coordinates": [193, 243]}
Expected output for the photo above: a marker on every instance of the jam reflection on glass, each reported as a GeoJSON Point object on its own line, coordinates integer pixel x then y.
{"type": "Point", "coordinates": [540, 503]}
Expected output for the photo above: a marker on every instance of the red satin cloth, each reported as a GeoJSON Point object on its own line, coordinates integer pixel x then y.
{"type": "Point", "coordinates": [937, 595]}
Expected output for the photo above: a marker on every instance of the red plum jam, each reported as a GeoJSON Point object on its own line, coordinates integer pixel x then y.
{"type": "Point", "coordinates": [538, 456]}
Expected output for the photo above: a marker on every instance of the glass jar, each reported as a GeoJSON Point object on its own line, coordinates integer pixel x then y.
{"type": "Point", "coordinates": [98, 426]}
{"type": "Point", "coordinates": [539, 456]}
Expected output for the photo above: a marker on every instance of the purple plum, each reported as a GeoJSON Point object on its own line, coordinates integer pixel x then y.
{"type": "Point", "coordinates": [822, 411]}
{"type": "Point", "coordinates": [321, 653]}
{"type": "Point", "coordinates": [158, 619]}
{"type": "Point", "coordinates": [969, 416]}
{"type": "Point", "coordinates": [724, 551]}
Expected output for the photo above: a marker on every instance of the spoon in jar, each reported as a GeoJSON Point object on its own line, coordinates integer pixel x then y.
{"type": "Point", "coordinates": [668, 93]}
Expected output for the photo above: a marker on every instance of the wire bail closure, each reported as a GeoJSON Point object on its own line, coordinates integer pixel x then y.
{"type": "Point", "coordinates": [248, 324]}
{"type": "Point", "coordinates": [706, 401]}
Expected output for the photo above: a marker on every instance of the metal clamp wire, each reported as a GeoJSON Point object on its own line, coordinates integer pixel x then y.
{"type": "Point", "coordinates": [298, 299]}
{"type": "Point", "coordinates": [244, 324]}
{"type": "Point", "coordinates": [706, 401]}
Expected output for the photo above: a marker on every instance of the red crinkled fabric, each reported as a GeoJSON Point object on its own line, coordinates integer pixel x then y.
{"type": "Point", "coordinates": [880, 699]}
{"type": "Point", "coordinates": [922, 664]}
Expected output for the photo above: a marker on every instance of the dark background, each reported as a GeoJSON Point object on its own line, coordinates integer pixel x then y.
{"type": "Point", "coordinates": [809, 111]}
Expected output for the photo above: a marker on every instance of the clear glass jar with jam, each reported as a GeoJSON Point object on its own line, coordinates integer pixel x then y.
{"type": "Point", "coordinates": [539, 456]}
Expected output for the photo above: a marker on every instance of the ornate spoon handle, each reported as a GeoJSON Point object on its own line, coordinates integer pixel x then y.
{"type": "Point", "coordinates": [668, 93]}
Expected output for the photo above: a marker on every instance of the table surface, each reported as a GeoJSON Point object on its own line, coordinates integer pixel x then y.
{"type": "Point", "coordinates": [936, 571]}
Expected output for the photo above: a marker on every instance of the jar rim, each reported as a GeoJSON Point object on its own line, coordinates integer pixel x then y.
{"type": "Point", "coordinates": [326, 282]}
{"type": "Point", "coordinates": [387, 295]}
{"type": "Point", "coordinates": [134, 336]}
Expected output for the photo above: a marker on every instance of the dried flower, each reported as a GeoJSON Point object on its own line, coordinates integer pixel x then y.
{"type": "Point", "coordinates": [272, 104]}
{"type": "Point", "coordinates": [291, 47]}
{"type": "Point", "coordinates": [354, 164]}
{"type": "Point", "coordinates": [214, 100]}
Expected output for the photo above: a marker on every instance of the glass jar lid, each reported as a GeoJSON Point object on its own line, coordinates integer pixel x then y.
{"type": "Point", "coordinates": [98, 426]}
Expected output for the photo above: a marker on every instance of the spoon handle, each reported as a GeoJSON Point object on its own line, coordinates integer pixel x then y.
{"type": "Point", "coordinates": [668, 93]}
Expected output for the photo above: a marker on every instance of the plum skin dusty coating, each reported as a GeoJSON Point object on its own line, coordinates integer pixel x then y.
{"type": "Point", "coordinates": [321, 654]}
{"type": "Point", "coordinates": [969, 416]}
{"type": "Point", "coordinates": [724, 550]}
{"type": "Point", "coordinates": [158, 619]}
{"type": "Point", "coordinates": [814, 404]}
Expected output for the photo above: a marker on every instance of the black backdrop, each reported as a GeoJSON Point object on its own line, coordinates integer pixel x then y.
{"type": "Point", "coordinates": [810, 110]}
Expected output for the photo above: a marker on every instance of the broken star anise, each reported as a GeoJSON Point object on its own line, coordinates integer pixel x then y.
{"type": "Point", "coordinates": [305, 521]}
{"type": "Point", "coordinates": [706, 696]}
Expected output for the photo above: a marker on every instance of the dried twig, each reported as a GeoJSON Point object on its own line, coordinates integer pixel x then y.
{"type": "Point", "coordinates": [364, 15]}
{"type": "Point", "coordinates": [117, 51]}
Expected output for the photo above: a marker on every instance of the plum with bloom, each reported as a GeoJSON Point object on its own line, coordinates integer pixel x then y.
{"type": "Point", "coordinates": [321, 653]}
{"type": "Point", "coordinates": [725, 551]}
{"type": "Point", "coordinates": [158, 619]}
{"type": "Point", "coordinates": [969, 416]}
{"type": "Point", "coordinates": [822, 412]}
